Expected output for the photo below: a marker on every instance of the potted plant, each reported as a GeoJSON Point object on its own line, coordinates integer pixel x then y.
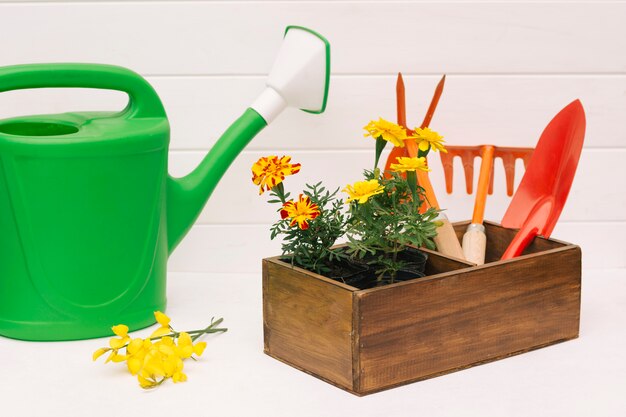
{"type": "Point", "coordinates": [381, 218]}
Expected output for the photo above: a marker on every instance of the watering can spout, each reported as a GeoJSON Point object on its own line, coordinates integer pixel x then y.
{"type": "Point", "coordinates": [299, 78]}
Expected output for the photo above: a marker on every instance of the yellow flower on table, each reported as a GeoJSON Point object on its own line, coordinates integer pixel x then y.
{"type": "Point", "coordinates": [136, 353]}
{"type": "Point", "coordinates": [160, 363]}
{"type": "Point", "coordinates": [115, 343]}
{"type": "Point", "coordinates": [158, 358]}
{"type": "Point", "coordinates": [386, 130]}
{"type": "Point", "coordinates": [269, 171]}
{"type": "Point", "coordinates": [427, 139]}
{"type": "Point", "coordinates": [406, 164]}
{"type": "Point", "coordinates": [361, 191]}
{"type": "Point", "coordinates": [186, 348]}
{"type": "Point", "coordinates": [121, 330]}
{"type": "Point", "coordinates": [300, 211]}
{"type": "Point", "coordinates": [164, 321]}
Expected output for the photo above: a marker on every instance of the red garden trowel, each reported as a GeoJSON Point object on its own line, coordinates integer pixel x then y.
{"type": "Point", "coordinates": [542, 193]}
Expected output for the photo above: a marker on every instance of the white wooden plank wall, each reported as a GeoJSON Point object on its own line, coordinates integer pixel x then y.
{"type": "Point", "coordinates": [511, 66]}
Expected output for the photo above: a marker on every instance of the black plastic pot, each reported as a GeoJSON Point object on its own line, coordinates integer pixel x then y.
{"type": "Point", "coordinates": [359, 274]}
{"type": "Point", "coordinates": [415, 259]}
{"type": "Point", "coordinates": [401, 276]}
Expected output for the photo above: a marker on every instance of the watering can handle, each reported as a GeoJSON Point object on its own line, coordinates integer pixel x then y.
{"type": "Point", "coordinates": [143, 100]}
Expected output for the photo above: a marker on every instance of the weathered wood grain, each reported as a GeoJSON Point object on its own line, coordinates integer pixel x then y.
{"type": "Point", "coordinates": [307, 321]}
{"type": "Point", "coordinates": [458, 316]}
{"type": "Point", "coordinates": [437, 324]}
{"type": "Point", "coordinates": [439, 264]}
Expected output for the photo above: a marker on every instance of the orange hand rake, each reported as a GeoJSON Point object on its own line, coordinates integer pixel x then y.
{"type": "Point", "coordinates": [474, 240]}
{"type": "Point", "coordinates": [446, 240]}
{"type": "Point", "coordinates": [467, 155]}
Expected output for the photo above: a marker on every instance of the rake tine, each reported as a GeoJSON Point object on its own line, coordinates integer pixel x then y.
{"type": "Point", "coordinates": [467, 158]}
{"type": "Point", "coordinates": [447, 160]}
{"type": "Point", "coordinates": [467, 155]}
{"type": "Point", "coordinates": [509, 156]}
{"type": "Point", "coordinates": [526, 158]}
{"type": "Point", "coordinates": [509, 172]}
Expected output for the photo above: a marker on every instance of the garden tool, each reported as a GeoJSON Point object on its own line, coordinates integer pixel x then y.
{"type": "Point", "coordinates": [467, 155]}
{"type": "Point", "coordinates": [88, 212]}
{"type": "Point", "coordinates": [446, 240]}
{"type": "Point", "coordinates": [542, 193]}
{"type": "Point", "coordinates": [474, 239]}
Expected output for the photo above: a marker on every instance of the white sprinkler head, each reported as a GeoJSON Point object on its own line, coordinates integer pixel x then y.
{"type": "Point", "coordinates": [299, 77]}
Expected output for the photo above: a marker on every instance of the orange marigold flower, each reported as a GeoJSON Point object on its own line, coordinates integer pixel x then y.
{"type": "Point", "coordinates": [269, 171]}
{"type": "Point", "coordinates": [300, 211]}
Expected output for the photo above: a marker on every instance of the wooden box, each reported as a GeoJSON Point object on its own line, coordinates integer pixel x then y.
{"type": "Point", "coordinates": [458, 316]}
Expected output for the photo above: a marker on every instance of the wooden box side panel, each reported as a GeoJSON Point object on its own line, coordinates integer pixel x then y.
{"type": "Point", "coordinates": [427, 327]}
{"type": "Point", "coordinates": [307, 322]}
{"type": "Point", "coordinates": [439, 264]}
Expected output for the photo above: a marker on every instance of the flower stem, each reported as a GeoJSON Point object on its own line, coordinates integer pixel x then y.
{"type": "Point", "coordinates": [209, 329]}
{"type": "Point", "coordinates": [411, 178]}
{"type": "Point", "coordinates": [197, 333]}
{"type": "Point", "coordinates": [396, 248]}
{"type": "Point", "coordinates": [279, 190]}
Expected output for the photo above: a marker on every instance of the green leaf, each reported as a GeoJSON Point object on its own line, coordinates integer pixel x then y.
{"type": "Point", "coordinates": [380, 146]}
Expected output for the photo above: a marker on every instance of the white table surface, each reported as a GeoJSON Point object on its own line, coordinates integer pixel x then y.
{"type": "Point", "coordinates": [583, 377]}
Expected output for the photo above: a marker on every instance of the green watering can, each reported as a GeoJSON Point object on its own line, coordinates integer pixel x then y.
{"type": "Point", "coordinates": [88, 212]}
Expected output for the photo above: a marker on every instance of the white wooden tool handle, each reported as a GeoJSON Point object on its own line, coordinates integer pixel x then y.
{"type": "Point", "coordinates": [446, 240]}
{"type": "Point", "coordinates": [474, 243]}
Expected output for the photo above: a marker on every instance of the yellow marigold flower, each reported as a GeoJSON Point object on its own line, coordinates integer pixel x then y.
{"type": "Point", "coordinates": [410, 164]}
{"type": "Point", "coordinates": [427, 139]}
{"type": "Point", "coordinates": [386, 130]}
{"type": "Point", "coordinates": [300, 211]}
{"type": "Point", "coordinates": [270, 171]}
{"type": "Point", "coordinates": [363, 190]}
